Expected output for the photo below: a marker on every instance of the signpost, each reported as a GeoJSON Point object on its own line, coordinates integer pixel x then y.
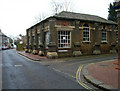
{"type": "Point", "coordinates": [117, 9]}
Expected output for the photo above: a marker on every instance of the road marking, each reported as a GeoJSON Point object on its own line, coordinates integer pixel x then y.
{"type": "Point", "coordinates": [63, 72]}
{"type": "Point", "coordinates": [18, 65]}
{"type": "Point", "coordinates": [79, 80]}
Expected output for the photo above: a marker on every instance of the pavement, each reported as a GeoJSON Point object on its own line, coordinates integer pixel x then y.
{"type": "Point", "coordinates": [101, 74]}
{"type": "Point", "coordinates": [32, 57]}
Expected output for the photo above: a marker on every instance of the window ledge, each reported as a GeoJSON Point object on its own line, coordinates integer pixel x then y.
{"type": "Point", "coordinates": [86, 42]}
{"type": "Point", "coordinates": [104, 42]}
{"type": "Point", "coordinates": [64, 47]}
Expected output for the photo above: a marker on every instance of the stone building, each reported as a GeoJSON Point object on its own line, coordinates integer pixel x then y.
{"type": "Point", "coordinates": [5, 40]}
{"type": "Point", "coordinates": [72, 34]}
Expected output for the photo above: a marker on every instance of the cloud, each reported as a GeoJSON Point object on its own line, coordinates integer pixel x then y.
{"type": "Point", "coordinates": [18, 15]}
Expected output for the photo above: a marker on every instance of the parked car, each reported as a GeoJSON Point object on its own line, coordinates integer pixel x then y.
{"type": "Point", "coordinates": [7, 47]}
{"type": "Point", "coordinates": [3, 48]}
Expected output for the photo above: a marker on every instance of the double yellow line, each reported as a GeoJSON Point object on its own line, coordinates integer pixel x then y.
{"type": "Point", "coordinates": [79, 80]}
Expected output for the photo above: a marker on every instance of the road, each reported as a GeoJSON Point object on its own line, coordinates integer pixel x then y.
{"type": "Point", "coordinates": [21, 73]}
{"type": "Point", "coordinates": [71, 65]}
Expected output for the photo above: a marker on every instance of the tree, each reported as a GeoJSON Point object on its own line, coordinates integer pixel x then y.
{"type": "Point", "coordinates": [20, 42]}
{"type": "Point", "coordinates": [58, 6]}
{"type": "Point", "coordinates": [112, 14]}
{"type": "Point", "coordinates": [40, 17]}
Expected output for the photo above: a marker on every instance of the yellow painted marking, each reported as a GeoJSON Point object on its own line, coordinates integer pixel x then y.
{"type": "Point", "coordinates": [77, 74]}
{"type": "Point", "coordinates": [79, 80]}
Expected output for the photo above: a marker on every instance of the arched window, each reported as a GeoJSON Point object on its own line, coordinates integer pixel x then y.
{"type": "Point", "coordinates": [86, 33]}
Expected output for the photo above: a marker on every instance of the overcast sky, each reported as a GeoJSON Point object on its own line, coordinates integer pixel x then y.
{"type": "Point", "coordinates": [18, 15]}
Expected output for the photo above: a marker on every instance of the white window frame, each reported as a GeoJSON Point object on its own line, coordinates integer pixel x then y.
{"type": "Point", "coordinates": [88, 37]}
{"type": "Point", "coordinates": [104, 32]}
{"type": "Point", "coordinates": [64, 39]}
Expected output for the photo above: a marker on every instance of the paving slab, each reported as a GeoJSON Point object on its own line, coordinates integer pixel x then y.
{"type": "Point", "coordinates": [102, 74]}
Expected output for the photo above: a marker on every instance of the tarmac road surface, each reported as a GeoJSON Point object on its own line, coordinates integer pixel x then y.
{"type": "Point", "coordinates": [20, 73]}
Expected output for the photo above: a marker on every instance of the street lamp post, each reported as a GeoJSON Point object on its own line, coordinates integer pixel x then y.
{"type": "Point", "coordinates": [117, 8]}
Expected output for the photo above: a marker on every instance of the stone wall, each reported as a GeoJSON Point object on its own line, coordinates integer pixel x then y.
{"type": "Point", "coordinates": [78, 46]}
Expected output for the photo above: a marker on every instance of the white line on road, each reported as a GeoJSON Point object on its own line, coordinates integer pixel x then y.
{"type": "Point", "coordinates": [18, 65]}
{"type": "Point", "coordinates": [64, 73]}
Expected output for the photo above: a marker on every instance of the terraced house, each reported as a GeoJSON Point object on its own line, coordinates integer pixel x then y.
{"type": "Point", "coordinates": [72, 34]}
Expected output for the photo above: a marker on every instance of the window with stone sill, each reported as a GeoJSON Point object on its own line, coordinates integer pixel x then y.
{"type": "Point", "coordinates": [86, 33]}
{"type": "Point", "coordinates": [47, 39]}
{"type": "Point", "coordinates": [104, 36]}
{"type": "Point", "coordinates": [64, 39]}
{"type": "Point", "coordinates": [116, 36]}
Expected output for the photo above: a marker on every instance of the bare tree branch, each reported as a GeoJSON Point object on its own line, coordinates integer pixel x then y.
{"type": "Point", "coordinates": [58, 6]}
{"type": "Point", "coordinates": [40, 17]}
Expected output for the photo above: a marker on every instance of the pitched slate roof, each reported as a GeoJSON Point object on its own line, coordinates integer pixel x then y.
{"type": "Point", "coordinates": [78, 16]}
{"type": "Point", "coordinates": [84, 17]}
